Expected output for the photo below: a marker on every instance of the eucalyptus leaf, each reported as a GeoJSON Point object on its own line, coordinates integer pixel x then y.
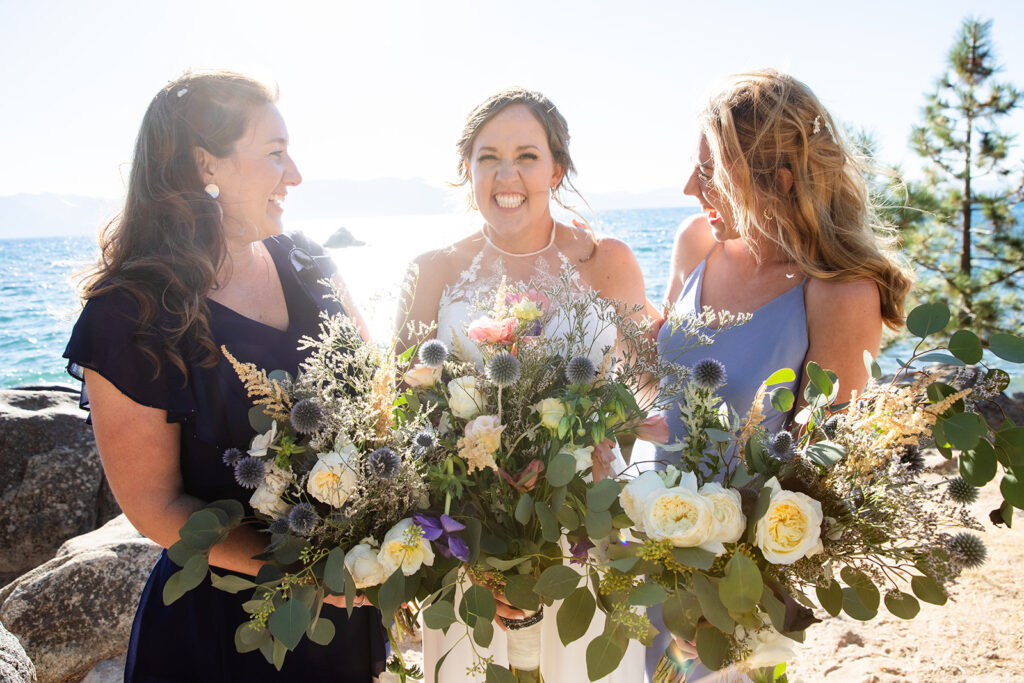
{"type": "Point", "coordinates": [939, 357]}
{"type": "Point", "coordinates": [1012, 489]}
{"type": "Point", "coordinates": [495, 674]}
{"type": "Point", "coordinates": [602, 494]}
{"type": "Point", "coordinates": [855, 608]}
{"type": "Point", "coordinates": [259, 420]}
{"type": "Point", "coordinates": [741, 587]}
{"type": "Point", "coordinates": [524, 509]}
{"type": "Point", "coordinates": [202, 530]}
{"type": "Point", "coordinates": [194, 571]}
{"type": "Point", "coordinates": [902, 605]}
{"type": "Point", "coordinates": [831, 597]}
{"type": "Point", "coordinates": [505, 565]}
{"type": "Point", "coordinates": [928, 590]}
{"type": "Point", "coordinates": [483, 632]}
{"type": "Point", "coordinates": [966, 346]}
{"type": "Point", "coordinates": [819, 378]}
{"type": "Point", "coordinates": [928, 319]}
{"type": "Point", "coordinates": [562, 469]}
{"type": "Point", "coordinates": [230, 507]}
{"type": "Point", "coordinates": [963, 430]}
{"type": "Point", "coordinates": [825, 453]}
{"type": "Point", "coordinates": [180, 552]}
{"type": "Point", "coordinates": [519, 592]}
{"type": "Point", "coordinates": [599, 523]}
{"type": "Point", "coordinates": [575, 614]}
{"type": "Point", "coordinates": [289, 622]}
{"type": "Point", "coordinates": [568, 518]}
{"type": "Point", "coordinates": [712, 648]}
{"type": "Point", "coordinates": [248, 639]}
{"type": "Point", "coordinates": [871, 366]}
{"type": "Point", "coordinates": [230, 583]}
{"type": "Point", "coordinates": [603, 656]}
{"type": "Point", "coordinates": [557, 582]}
{"type": "Point", "coordinates": [681, 613]}
{"type": "Point", "coordinates": [782, 399]}
{"type": "Point", "coordinates": [321, 631]}
{"type": "Point", "coordinates": [549, 525]}
{"type": "Point", "coordinates": [334, 571]}
{"type": "Point", "coordinates": [867, 592]}
{"type": "Point", "coordinates": [392, 593]}
{"type": "Point", "coordinates": [647, 595]}
{"type": "Point", "coordinates": [978, 466]}
{"type": "Point", "coordinates": [698, 558]}
{"type": "Point", "coordinates": [714, 611]}
{"type": "Point", "coordinates": [781, 376]}
{"type": "Point", "coordinates": [439, 616]}
{"type": "Point", "coordinates": [172, 588]}
{"type": "Point", "coordinates": [1007, 346]}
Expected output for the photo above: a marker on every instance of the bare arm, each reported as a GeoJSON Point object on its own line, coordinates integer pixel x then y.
{"type": "Point", "coordinates": [349, 304]}
{"type": "Point", "coordinates": [693, 241]}
{"type": "Point", "coordinates": [427, 277]}
{"type": "Point", "coordinates": [140, 454]}
{"type": "Point", "coordinates": [843, 320]}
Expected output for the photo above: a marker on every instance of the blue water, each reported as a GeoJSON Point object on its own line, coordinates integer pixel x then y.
{"type": "Point", "coordinates": [38, 304]}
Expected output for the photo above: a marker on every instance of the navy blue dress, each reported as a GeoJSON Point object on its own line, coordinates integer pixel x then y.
{"type": "Point", "coordinates": [193, 639]}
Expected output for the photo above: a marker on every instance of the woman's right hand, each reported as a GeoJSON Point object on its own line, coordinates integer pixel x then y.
{"type": "Point", "coordinates": [339, 601]}
{"type": "Point", "coordinates": [503, 607]}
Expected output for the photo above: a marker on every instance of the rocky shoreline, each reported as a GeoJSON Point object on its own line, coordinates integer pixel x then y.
{"type": "Point", "coordinates": [72, 568]}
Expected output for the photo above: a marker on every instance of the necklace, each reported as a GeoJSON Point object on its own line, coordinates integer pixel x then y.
{"type": "Point", "coordinates": [498, 249]}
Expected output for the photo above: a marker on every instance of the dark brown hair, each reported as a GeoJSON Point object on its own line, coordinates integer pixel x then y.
{"type": "Point", "coordinates": [166, 245]}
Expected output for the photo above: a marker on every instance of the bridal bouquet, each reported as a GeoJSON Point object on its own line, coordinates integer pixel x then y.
{"type": "Point", "coordinates": [337, 484]}
{"type": "Point", "coordinates": [737, 548]}
{"type": "Point", "coordinates": [527, 408]}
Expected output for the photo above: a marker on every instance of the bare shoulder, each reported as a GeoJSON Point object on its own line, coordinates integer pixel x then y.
{"type": "Point", "coordinates": [439, 267]}
{"type": "Point", "coordinates": [693, 241]}
{"type": "Point", "coordinates": [828, 299]}
{"type": "Point", "coordinates": [614, 271]}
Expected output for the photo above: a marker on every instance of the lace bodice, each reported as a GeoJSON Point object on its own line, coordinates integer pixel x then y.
{"type": "Point", "coordinates": [461, 301]}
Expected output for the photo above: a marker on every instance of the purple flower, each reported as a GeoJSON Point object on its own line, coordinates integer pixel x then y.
{"type": "Point", "coordinates": [441, 531]}
{"type": "Point", "coordinates": [579, 549]}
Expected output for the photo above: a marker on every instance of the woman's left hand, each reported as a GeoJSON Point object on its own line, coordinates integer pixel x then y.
{"type": "Point", "coordinates": [339, 601]}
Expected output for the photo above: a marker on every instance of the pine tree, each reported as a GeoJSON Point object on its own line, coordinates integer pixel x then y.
{"type": "Point", "coordinates": [970, 250]}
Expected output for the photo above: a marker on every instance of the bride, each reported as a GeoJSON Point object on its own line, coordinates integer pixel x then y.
{"type": "Point", "coordinates": [514, 154]}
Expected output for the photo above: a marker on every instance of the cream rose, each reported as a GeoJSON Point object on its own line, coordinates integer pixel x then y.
{"type": "Point", "coordinates": [584, 455]}
{"type": "Point", "coordinates": [464, 397]}
{"type": "Point", "coordinates": [362, 563]}
{"type": "Point", "coordinates": [681, 515]}
{"type": "Point", "coordinates": [421, 376]}
{"type": "Point", "coordinates": [635, 492]}
{"type": "Point", "coordinates": [551, 411]}
{"type": "Point", "coordinates": [333, 478]}
{"type": "Point", "coordinates": [480, 442]}
{"type": "Point", "coordinates": [267, 496]}
{"type": "Point", "coordinates": [728, 509]}
{"type": "Point", "coordinates": [791, 528]}
{"type": "Point", "coordinates": [404, 546]}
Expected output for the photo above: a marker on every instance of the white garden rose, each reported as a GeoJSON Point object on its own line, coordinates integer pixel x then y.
{"type": "Point", "coordinates": [333, 477]}
{"type": "Point", "coordinates": [551, 411]}
{"type": "Point", "coordinates": [791, 528]}
{"type": "Point", "coordinates": [406, 548]}
{"type": "Point", "coordinates": [465, 399]}
{"type": "Point", "coordinates": [635, 492]}
{"type": "Point", "coordinates": [261, 442]}
{"type": "Point", "coordinates": [584, 455]}
{"type": "Point", "coordinates": [267, 496]}
{"type": "Point", "coordinates": [362, 563]}
{"type": "Point", "coordinates": [728, 509]}
{"type": "Point", "coordinates": [681, 515]}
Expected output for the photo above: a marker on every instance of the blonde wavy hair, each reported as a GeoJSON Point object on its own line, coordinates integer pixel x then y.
{"type": "Point", "coordinates": [764, 122]}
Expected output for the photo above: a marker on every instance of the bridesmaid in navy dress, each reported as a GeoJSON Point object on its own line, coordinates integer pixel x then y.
{"type": "Point", "coordinates": [195, 261]}
{"type": "Point", "coordinates": [788, 233]}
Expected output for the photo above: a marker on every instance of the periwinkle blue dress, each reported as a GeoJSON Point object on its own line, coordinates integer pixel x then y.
{"type": "Point", "coordinates": [775, 338]}
{"type": "Point", "coordinates": [193, 638]}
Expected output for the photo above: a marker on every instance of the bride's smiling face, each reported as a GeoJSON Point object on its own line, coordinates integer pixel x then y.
{"type": "Point", "coordinates": [512, 172]}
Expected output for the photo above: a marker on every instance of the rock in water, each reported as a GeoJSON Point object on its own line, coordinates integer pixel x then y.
{"type": "Point", "coordinates": [76, 610]}
{"type": "Point", "coordinates": [15, 666]}
{"type": "Point", "coordinates": [53, 486]}
{"type": "Point", "coordinates": [342, 238]}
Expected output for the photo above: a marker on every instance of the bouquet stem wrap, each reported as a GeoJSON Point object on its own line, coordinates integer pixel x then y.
{"type": "Point", "coordinates": [524, 644]}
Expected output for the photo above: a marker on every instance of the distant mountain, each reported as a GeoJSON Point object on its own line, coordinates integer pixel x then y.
{"type": "Point", "coordinates": [47, 215]}
{"type": "Point", "coordinates": [52, 215]}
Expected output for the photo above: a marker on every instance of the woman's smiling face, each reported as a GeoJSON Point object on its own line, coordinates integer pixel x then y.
{"type": "Point", "coordinates": [512, 171]}
{"type": "Point", "coordinates": [701, 185]}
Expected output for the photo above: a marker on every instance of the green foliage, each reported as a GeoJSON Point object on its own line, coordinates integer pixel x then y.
{"type": "Point", "coordinates": [967, 245]}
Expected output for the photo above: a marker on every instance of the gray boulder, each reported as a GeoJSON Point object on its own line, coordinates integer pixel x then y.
{"type": "Point", "coordinates": [76, 610]}
{"type": "Point", "coordinates": [15, 666]}
{"type": "Point", "coordinates": [342, 238]}
{"type": "Point", "coordinates": [53, 486]}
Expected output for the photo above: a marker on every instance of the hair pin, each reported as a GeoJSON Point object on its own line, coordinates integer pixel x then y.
{"type": "Point", "coordinates": [817, 125]}
{"type": "Point", "coordinates": [181, 92]}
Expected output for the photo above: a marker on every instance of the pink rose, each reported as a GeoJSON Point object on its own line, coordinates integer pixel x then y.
{"type": "Point", "coordinates": [653, 429]}
{"type": "Point", "coordinates": [421, 376]}
{"type": "Point", "coordinates": [493, 331]}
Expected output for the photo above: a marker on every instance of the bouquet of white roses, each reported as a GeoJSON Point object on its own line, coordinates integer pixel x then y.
{"type": "Point", "coordinates": [836, 509]}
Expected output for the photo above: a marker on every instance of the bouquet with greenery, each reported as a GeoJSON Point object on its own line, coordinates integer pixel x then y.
{"type": "Point", "coordinates": [337, 480]}
{"type": "Point", "coordinates": [744, 529]}
{"type": "Point", "coordinates": [527, 409]}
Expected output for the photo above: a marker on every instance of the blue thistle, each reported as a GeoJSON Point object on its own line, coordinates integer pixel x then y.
{"type": "Point", "coordinates": [232, 456]}
{"type": "Point", "coordinates": [383, 463]}
{"type": "Point", "coordinates": [968, 549]}
{"type": "Point", "coordinates": [249, 472]}
{"type": "Point", "coordinates": [433, 353]}
{"type": "Point", "coordinates": [503, 370]}
{"type": "Point", "coordinates": [912, 459]}
{"type": "Point", "coordinates": [961, 491]}
{"type": "Point", "coordinates": [307, 416]}
{"type": "Point", "coordinates": [831, 426]}
{"type": "Point", "coordinates": [780, 445]}
{"type": "Point", "coordinates": [708, 373]}
{"type": "Point", "coordinates": [302, 519]}
{"type": "Point", "coordinates": [279, 526]}
{"type": "Point", "coordinates": [580, 370]}
{"type": "Point", "coordinates": [425, 440]}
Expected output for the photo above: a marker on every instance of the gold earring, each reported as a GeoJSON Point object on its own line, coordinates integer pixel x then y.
{"type": "Point", "coordinates": [767, 216]}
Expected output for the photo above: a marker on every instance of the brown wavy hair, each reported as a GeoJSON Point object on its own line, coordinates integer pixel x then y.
{"type": "Point", "coordinates": [166, 245]}
{"type": "Point", "coordinates": [765, 121]}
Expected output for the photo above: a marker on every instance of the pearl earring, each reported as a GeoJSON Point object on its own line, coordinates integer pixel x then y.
{"type": "Point", "coordinates": [212, 190]}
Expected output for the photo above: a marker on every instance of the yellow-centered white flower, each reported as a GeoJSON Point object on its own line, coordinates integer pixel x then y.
{"type": "Point", "coordinates": [333, 477]}
{"type": "Point", "coordinates": [681, 516]}
{"type": "Point", "coordinates": [362, 563]}
{"type": "Point", "coordinates": [465, 399]}
{"type": "Point", "coordinates": [635, 493]}
{"type": "Point", "coordinates": [791, 528]}
{"type": "Point", "coordinates": [728, 509]}
{"type": "Point", "coordinates": [405, 547]}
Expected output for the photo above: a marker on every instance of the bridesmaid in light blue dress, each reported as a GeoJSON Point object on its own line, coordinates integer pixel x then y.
{"type": "Point", "coordinates": [787, 233]}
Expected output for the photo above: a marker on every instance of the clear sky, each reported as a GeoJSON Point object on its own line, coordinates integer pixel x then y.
{"type": "Point", "coordinates": [375, 89]}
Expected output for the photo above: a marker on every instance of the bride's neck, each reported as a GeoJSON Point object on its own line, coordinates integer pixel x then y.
{"type": "Point", "coordinates": [531, 244]}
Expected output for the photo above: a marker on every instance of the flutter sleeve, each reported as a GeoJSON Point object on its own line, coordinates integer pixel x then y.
{"type": "Point", "coordinates": [104, 340]}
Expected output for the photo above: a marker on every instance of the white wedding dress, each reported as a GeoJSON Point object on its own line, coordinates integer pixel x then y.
{"type": "Point", "coordinates": [542, 270]}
